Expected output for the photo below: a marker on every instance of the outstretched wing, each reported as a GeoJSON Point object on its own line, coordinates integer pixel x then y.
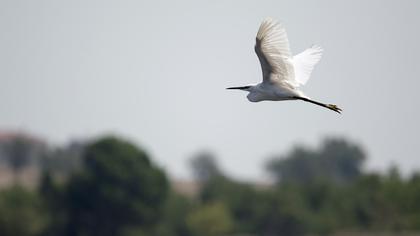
{"type": "Point", "coordinates": [305, 62]}
{"type": "Point", "coordinates": [272, 48]}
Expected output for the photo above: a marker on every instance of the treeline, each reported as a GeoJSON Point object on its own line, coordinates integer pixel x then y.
{"type": "Point", "coordinates": [112, 187]}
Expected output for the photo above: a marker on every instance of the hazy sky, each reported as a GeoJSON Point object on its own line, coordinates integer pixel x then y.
{"type": "Point", "coordinates": [156, 71]}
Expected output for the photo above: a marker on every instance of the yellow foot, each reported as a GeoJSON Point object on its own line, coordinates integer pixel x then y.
{"type": "Point", "coordinates": [334, 108]}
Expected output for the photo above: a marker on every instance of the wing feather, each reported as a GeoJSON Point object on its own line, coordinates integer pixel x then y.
{"type": "Point", "coordinates": [305, 62]}
{"type": "Point", "coordinates": [273, 51]}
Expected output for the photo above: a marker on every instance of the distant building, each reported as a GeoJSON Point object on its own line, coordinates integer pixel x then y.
{"type": "Point", "coordinates": [30, 148]}
{"type": "Point", "coordinates": [20, 158]}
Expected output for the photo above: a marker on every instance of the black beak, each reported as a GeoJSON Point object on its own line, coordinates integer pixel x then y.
{"type": "Point", "coordinates": [241, 88]}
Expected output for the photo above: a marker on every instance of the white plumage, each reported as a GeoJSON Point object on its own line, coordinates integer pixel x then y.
{"type": "Point", "coordinates": [282, 73]}
{"type": "Point", "coordinates": [305, 62]}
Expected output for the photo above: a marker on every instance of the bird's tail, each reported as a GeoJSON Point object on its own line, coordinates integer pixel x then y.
{"type": "Point", "coordinates": [329, 106]}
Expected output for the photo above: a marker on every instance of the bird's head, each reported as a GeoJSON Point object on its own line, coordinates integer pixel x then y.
{"type": "Point", "coordinates": [245, 88]}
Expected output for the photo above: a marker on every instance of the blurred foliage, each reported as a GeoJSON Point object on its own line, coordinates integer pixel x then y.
{"type": "Point", "coordinates": [112, 187]}
{"type": "Point", "coordinates": [118, 187]}
{"type": "Point", "coordinates": [204, 167]}
{"type": "Point", "coordinates": [21, 213]}
{"type": "Point", "coordinates": [210, 219]}
{"type": "Point", "coordinates": [174, 218]}
{"type": "Point", "coordinates": [337, 160]}
{"type": "Point", "coordinates": [117, 190]}
{"type": "Point", "coordinates": [62, 161]}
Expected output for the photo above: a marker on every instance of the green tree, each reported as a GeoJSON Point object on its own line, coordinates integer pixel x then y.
{"type": "Point", "coordinates": [173, 221]}
{"type": "Point", "coordinates": [256, 210]}
{"type": "Point", "coordinates": [212, 219]}
{"type": "Point", "coordinates": [204, 167]}
{"type": "Point", "coordinates": [21, 213]}
{"type": "Point", "coordinates": [337, 160]}
{"type": "Point", "coordinates": [342, 159]}
{"type": "Point", "coordinates": [52, 195]}
{"type": "Point", "coordinates": [63, 161]}
{"type": "Point", "coordinates": [118, 188]}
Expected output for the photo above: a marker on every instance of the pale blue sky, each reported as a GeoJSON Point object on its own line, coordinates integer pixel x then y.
{"type": "Point", "coordinates": [155, 72]}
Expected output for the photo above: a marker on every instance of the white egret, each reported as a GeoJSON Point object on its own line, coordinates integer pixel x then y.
{"type": "Point", "coordinates": [282, 73]}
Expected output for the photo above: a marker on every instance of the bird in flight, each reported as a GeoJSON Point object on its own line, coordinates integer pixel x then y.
{"type": "Point", "coordinates": [283, 73]}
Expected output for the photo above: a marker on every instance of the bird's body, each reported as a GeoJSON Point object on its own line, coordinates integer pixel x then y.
{"type": "Point", "coordinates": [282, 73]}
{"type": "Point", "coordinates": [272, 92]}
